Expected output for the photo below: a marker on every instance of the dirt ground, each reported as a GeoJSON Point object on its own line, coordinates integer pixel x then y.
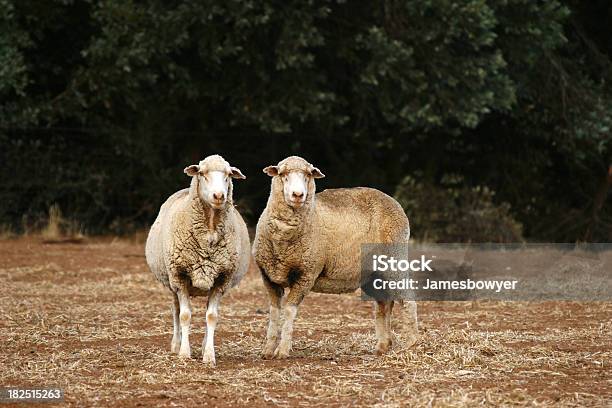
{"type": "Point", "coordinates": [90, 318]}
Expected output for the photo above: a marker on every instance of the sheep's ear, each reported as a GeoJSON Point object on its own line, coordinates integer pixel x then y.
{"type": "Point", "coordinates": [316, 173]}
{"type": "Point", "coordinates": [271, 171]}
{"type": "Point", "coordinates": [236, 173]}
{"type": "Point", "coordinates": [192, 170]}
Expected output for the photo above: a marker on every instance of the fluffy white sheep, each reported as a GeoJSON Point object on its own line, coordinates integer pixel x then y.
{"type": "Point", "coordinates": [198, 246]}
{"type": "Point", "coordinates": [306, 242]}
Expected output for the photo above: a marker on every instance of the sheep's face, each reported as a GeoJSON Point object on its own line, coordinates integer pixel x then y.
{"type": "Point", "coordinates": [214, 176]}
{"type": "Point", "coordinates": [297, 178]}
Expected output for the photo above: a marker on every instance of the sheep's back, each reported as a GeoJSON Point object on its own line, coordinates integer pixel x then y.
{"type": "Point", "coordinates": [350, 217]}
{"type": "Point", "coordinates": [365, 213]}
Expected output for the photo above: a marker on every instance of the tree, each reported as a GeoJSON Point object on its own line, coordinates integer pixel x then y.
{"type": "Point", "coordinates": [109, 100]}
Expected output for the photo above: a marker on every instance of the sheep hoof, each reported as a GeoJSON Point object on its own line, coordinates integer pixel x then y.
{"type": "Point", "coordinates": [281, 353]}
{"type": "Point", "coordinates": [209, 360]}
{"type": "Point", "coordinates": [382, 347]}
{"type": "Point", "coordinates": [185, 353]}
{"type": "Point", "coordinates": [175, 347]}
{"type": "Point", "coordinates": [411, 340]}
{"type": "Point", "coordinates": [269, 348]}
{"type": "Point", "coordinates": [281, 356]}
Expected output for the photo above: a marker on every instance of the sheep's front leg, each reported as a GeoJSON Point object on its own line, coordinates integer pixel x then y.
{"type": "Point", "coordinates": [275, 293]}
{"type": "Point", "coordinates": [212, 313]}
{"type": "Point", "coordinates": [176, 334]}
{"type": "Point", "coordinates": [294, 298]}
{"type": "Point", "coordinates": [284, 346]}
{"type": "Point", "coordinates": [185, 320]}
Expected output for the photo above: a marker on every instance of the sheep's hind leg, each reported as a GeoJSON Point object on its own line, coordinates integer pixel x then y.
{"type": "Point", "coordinates": [185, 320]}
{"type": "Point", "coordinates": [275, 293]}
{"type": "Point", "coordinates": [382, 312]}
{"type": "Point", "coordinates": [175, 345]}
{"type": "Point", "coordinates": [388, 323]}
{"type": "Point", "coordinates": [410, 329]}
{"type": "Point", "coordinates": [208, 346]}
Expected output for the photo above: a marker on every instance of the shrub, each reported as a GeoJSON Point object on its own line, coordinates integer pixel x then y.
{"type": "Point", "coordinates": [452, 212]}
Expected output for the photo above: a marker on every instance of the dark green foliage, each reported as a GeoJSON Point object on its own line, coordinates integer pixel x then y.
{"type": "Point", "coordinates": [104, 103]}
{"type": "Point", "coordinates": [454, 213]}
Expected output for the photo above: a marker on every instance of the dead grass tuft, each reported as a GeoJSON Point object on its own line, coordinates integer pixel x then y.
{"type": "Point", "coordinates": [60, 230]}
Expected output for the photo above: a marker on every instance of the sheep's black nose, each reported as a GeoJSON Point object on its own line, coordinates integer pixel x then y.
{"type": "Point", "coordinates": [218, 196]}
{"type": "Point", "coordinates": [297, 195]}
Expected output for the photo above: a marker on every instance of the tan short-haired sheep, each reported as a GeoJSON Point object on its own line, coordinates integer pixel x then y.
{"type": "Point", "coordinates": [199, 245]}
{"type": "Point", "coordinates": [307, 242]}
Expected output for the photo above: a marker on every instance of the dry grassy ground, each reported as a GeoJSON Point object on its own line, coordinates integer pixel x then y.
{"type": "Point", "coordinates": [90, 318]}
